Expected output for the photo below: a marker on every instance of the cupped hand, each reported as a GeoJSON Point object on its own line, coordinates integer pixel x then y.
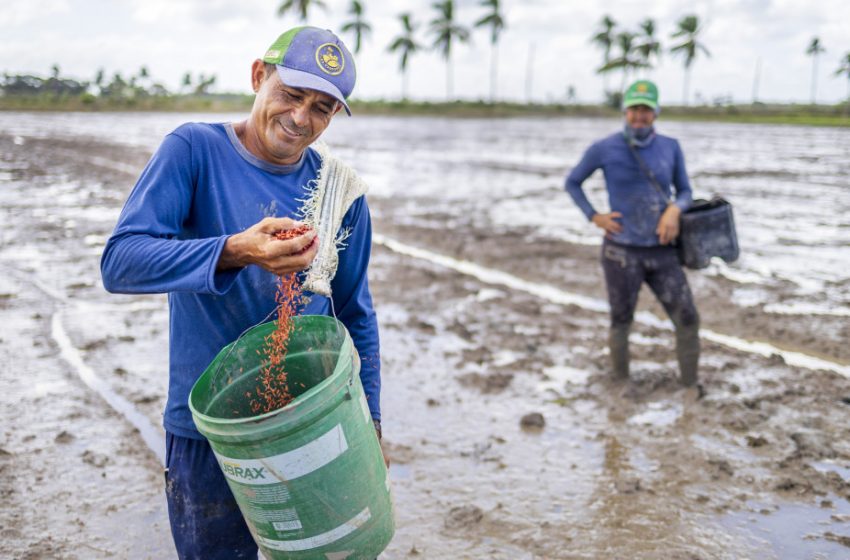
{"type": "Point", "coordinates": [259, 245]}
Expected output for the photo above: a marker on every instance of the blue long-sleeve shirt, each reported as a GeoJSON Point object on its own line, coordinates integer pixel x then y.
{"type": "Point", "coordinates": [629, 190]}
{"type": "Point", "coordinates": [200, 187]}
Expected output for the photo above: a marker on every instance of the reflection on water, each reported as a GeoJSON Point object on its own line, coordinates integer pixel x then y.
{"type": "Point", "coordinates": [796, 530]}
{"type": "Point", "coordinates": [788, 184]}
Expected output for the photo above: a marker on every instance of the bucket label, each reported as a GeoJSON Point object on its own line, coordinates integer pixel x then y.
{"type": "Point", "coordinates": [319, 540]}
{"type": "Point", "coordinates": [286, 466]}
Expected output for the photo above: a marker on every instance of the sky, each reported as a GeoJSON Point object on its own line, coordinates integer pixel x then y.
{"type": "Point", "coordinates": [757, 46]}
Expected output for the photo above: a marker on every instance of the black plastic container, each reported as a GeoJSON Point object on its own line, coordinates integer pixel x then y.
{"type": "Point", "coordinates": [707, 230]}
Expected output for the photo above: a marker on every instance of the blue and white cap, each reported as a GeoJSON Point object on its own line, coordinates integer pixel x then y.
{"type": "Point", "coordinates": [312, 58]}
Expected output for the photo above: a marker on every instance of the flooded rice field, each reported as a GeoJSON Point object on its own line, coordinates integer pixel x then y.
{"type": "Point", "coordinates": [506, 436]}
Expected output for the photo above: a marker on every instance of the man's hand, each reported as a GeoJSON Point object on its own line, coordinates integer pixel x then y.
{"type": "Point", "coordinates": [668, 225]}
{"type": "Point", "coordinates": [377, 424]}
{"type": "Point", "coordinates": [608, 222]}
{"type": "Point", "coordinates": [258, 245]}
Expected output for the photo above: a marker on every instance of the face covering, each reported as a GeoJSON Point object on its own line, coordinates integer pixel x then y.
{"type": "Point", "coordinates": [641, 136]}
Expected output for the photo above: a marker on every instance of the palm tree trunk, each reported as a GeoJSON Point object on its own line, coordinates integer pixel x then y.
{"type": "Point", "coordinates": [529, 74]}
{"type": "Point", "coordinates": [685, 90]}
{"type": "Point", "coordinates": [756, 78]}
{"type": "Point", "coordinates": [814, 78]}
{"type": "Point", "coordinates": [404, 85]}
{"type": "Point", "coordinates": [494, 70]}
{"type": "Point", "coordinates": [449, 78]}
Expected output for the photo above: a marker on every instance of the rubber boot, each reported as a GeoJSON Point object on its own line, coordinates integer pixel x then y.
{"type": "Point", "coordinates": [618, 345]}
{"type": "Point", "coordinates": [687, 352]}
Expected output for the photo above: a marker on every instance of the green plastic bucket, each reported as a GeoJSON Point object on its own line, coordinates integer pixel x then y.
{"type": "Point", "coordinates": [309, 477]}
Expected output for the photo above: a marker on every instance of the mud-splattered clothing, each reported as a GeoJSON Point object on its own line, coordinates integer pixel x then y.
{"type": "Point", "coordinates": [629, 190]}
{"type": "Point", "coordinates": [627, 268]}
{"type": "Point", "coordinates": [635, 255]}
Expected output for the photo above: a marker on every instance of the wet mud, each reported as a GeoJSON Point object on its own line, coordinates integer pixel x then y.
{"type": "Point", "coordinates": [508, 438]}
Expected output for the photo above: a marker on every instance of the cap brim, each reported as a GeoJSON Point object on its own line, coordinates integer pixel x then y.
{"type": "Point", "coordinates": [633, 102]}
{"type": "Point", "coordinates": [305, 80]}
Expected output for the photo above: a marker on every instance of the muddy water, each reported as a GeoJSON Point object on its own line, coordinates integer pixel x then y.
{"type": "Point", "coordinates": [757, 469]}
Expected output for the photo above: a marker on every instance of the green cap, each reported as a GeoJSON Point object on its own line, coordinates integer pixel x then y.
{"type": "Point", "coordinates": [642, 92]}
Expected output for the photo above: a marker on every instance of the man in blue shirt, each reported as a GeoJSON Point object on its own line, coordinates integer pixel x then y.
{"type": "Point", "coordinates": [200, 225]}
{"type": "Point", "coordinates": [641, 169]}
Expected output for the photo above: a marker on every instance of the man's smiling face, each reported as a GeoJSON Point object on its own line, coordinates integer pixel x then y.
{"type": "Point", "coordinates": [286, 120]}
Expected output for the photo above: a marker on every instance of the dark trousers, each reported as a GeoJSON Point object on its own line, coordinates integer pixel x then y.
{"type": "Point", "coordinates": [626, 269]}
{"type": "Point", "coordinates": [205, 521]}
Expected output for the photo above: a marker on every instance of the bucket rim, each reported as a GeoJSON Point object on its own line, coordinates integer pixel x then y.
{"type": "Point", "coordinates": [297, 401]}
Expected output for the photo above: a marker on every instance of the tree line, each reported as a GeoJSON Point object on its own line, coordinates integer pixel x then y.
{"type": "Point", "coordinates": [623, 50]}
{"type": "Point", "coordinates": [641, 49]}
{"type": "Point", "coordinates": [117, 88]}
{"type": "Point", "coordinates": [626, 51]}
{"type": "Point", "coordinates": [443, 28]}
{"type": "Point", "coordinates": [814, 50]}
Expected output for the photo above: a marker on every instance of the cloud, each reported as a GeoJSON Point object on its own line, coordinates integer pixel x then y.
{"type": "Point", "coordinates": [19, 12]}
{"type": "Point", "coordinates": [223, 37]}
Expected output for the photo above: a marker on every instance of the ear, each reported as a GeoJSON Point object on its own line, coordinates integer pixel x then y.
{"type": "Point", "coordinates": [258, 74]}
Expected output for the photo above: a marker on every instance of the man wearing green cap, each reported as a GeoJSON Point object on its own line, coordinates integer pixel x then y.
{"type": "Point", "coordinates": [201, 225]}
{"type": "Point", "coordinates": [642, 171]}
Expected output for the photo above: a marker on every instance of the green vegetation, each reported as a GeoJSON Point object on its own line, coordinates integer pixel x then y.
{"type": "Point", "coordinates": [141, 93]}
{"type": "Point", "coordinates": [812, 115]}
{"type": "Point", "coordinates": [224, 102]}
{"type": "Point", "coordinates": [136, 92]}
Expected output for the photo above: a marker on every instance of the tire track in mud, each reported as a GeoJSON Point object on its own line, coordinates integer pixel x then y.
{"type": "Point", "coordinates": [546, 292]}
{"type": "Point", "coordinates": [149, 433]}
{"type": "Point", "coordinates": [156, 443]}
{"type": "Point", "coordinates": [556, 295]}
{"type": "Point", "coordinates": [75, 475]}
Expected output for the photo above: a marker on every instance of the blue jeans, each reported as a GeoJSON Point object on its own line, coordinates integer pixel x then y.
{"type": "Point", "coordinates": [205, 521]}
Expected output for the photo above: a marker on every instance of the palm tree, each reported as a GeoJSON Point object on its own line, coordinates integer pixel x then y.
{"type": "Point", "coordinates": [626, 61]}
{"type": "Point", "coordinates": [446, 31]}
{"type": "Point", "coordinates": [408, 46]}
{"type": "Point", "coordinates": [358, 25]}
{"type": "Point", "coordinates": [813, 50]}
{"type": "Point", "coordinates": [98, 80]}
{"type": "Point", "coordinates": [689, 29]}
{"type": "Point", "coordinates": [844, 68]}
{"type": "Point", "coordinates": [497, 23]}
{"type": "Point", "coordinates": [604, 38]}
{"type": "Point", "coordinates": [186, 83]}
{"type": "Point", "coordinates": [143, 78]}
{"type": "Point", "coordinates": [649, 46]}
{"type": "Point", "coordinates": [301, 6]}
